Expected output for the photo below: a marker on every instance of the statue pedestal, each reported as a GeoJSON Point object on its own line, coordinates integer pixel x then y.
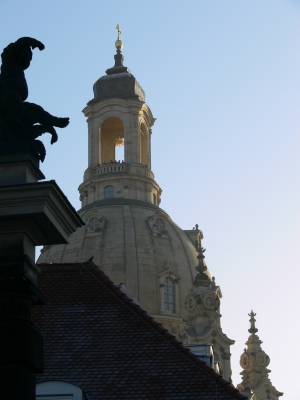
{"type": "Point", "coordinates": [32, 213]}
{"type": "Point", "coordinates": [18, 164]}
{"type": "Point", "coordinates": [17, 173]}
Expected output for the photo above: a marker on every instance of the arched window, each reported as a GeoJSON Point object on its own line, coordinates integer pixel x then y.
{"type": "Point", "coordinates": [159, 225]}
{"type": "Point", "coordinates": [111, 133]}
{"type": "Point", "coordinates": [169, 294]}
{"type": "Point", "coordinates": [169, 299]}
{"type": "Point", "coordinates": [109, 192]}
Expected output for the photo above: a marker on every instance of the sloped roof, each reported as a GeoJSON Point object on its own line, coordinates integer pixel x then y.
{"type": "Point", "coordinates": [97, 337]}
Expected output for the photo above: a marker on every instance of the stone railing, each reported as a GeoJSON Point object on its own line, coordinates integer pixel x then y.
{"type": "Point", "coordinates": [111, 168]}
{"type": "Point", "coordinates": [115, 168]}
{"type": "Point", "coordinates": [149, 174]}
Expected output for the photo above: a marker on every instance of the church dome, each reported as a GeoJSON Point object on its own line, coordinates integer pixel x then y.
{"type": "Point", "coordinates": [135, 243]}
{"type": "Point", "coordinates": [126, 233]}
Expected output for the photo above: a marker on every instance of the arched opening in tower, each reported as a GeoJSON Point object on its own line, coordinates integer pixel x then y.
{"type": "Point", "coordinates": [144, 146]}
{"type": "Point", "coordinates": [111, 140]}
{"type": "Point", "coordinates": [120, 152]}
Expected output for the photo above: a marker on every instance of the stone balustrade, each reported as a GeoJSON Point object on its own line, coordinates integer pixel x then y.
{"type": "Point", "coordinates": [111, 168]}
{"type": "Point", "coordinates": [115, 168]}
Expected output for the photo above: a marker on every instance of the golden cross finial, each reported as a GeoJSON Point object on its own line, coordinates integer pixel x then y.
{"type": "Point", "coordinates": [118, 43]}
{"type": "Point", "coordinates": [119, 31]}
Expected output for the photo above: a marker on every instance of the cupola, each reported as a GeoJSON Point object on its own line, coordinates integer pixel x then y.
{"type": "Point", "coordinates": [119, 116]}
{"type": "Point", "coordinates": [118, 81]}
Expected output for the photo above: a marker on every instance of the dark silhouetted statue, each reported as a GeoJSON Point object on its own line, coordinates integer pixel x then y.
{"type": "Point", "coordinates": [21, 121]}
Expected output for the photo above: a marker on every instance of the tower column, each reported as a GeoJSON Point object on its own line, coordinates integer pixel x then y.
{"type": "Point", "coordinates": [90, 142]}
{"type": "Point", "coordinates": [135, 138]}
{"type": "Point", "coordinates": [127, 139]}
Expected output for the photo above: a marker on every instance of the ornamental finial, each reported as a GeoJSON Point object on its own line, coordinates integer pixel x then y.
{"type": "Point", "coordinates": [119, 43]}
{"type": "Point", "coordinates": [252, 322]}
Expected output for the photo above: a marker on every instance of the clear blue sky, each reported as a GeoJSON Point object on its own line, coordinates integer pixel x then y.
{"type": "Point", "coordinates": [222, 79]}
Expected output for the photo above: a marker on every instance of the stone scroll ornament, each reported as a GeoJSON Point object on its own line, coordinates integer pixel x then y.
{"type": "Point", "coordinates": [20, 121]}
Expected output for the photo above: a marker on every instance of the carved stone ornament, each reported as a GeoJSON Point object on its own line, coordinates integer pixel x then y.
{"type": "Point", "coordinates": [190, 303]}
{"type": "Point", "coordinates": [244, 361]}
{"type": "Point", "coordinates": [260, 359]}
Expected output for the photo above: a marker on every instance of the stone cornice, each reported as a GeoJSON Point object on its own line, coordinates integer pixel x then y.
{"type": "Point", "coordinates": [41, 208]}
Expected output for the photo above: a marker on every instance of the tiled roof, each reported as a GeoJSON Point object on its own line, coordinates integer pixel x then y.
{"type": "Point", "coordinates": [98, 338]}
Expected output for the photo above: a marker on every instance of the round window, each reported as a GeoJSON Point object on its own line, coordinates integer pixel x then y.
{"type": "Point", "coordinates": [94, 224]}
{"type": "Point", "coordinates": [209, 301]}
{"type": "Point", "coordinates": [260, 359]}
{"type": "Point", "coordinates": [159, 225]}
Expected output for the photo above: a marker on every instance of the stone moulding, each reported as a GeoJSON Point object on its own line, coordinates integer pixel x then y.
{"type": "Point", "coordinates": [42, 210]}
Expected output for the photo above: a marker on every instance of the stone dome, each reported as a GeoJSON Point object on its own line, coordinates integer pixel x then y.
{"type": "Point", "coordinates": [120, 85]}
{"type": "Point", "coordinates": [136, 243]}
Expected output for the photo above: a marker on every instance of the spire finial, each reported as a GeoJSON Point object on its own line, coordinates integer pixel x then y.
{"type": "Point", "coordinates": [119, 43]}
{"type": "Point", "coordinates": [119, 31]}
{"type": "Point", "coordinates": [252, 322]}
{"type": "Point", "coordinates": [203, 273]}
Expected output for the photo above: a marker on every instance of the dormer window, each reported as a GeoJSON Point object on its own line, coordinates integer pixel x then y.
{"type": "Point", "coordinates": [159, 225]}
{"type": "Point", "coordinates": [59, 390]}
{"type": "Point", "coordinates": [94, 224]}
{"type": "Point", "coordinates": [109, 192]}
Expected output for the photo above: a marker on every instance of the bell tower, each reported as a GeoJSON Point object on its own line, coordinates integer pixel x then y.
{"type": "Point", "coordinates": [119, 116]}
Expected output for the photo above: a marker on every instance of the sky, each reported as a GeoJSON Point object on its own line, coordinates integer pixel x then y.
{"type": "Point", "coordinates": [222, 79]}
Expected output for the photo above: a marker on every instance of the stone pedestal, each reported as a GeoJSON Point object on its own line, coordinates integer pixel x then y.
{"type": "Point", "coordinates": [31, 213]}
